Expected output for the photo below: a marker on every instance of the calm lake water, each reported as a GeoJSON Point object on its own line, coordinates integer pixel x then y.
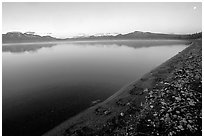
{"type": "Point", "coordinates": [45, 84]}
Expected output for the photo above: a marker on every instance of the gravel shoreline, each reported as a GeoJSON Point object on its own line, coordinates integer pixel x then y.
{"type": "Point", "coordinates": [166, 101]}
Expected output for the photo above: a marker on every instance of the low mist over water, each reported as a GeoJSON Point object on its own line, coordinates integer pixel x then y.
{"type": "Point", "coordinates": [45, 84]}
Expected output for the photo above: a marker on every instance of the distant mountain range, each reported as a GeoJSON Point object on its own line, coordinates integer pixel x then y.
{"type": "Point", "coordinates": [18, 37]}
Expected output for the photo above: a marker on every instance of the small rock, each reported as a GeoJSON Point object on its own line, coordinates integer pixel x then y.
{"type": "Point", "coordinates": [190, 121]}
{"type": "Point", "coordinates": [155, 114]}
{"type": "Point", "coordinates": [107, 112]}
{"type": "Point", "coordinates": [170, 110]}
{"type": "Point", "coordinates": [162, 118]}
{"type": "Point", "coordinates": [170, 133]}
{"type": "Point", "coordinates": [197, 77]}
{"type": "Point", "coordinates": [189, 126]}
{"type": "Point", "coordinates": [163, 103]}
{"type": "Point", "coordinates": [175, 116]}
{"type": "Point", "coordinates": [191, 103]}
{"type": "Point", "coordinates": [184, 121]}
{"type": "Point", "coordinates": [162, 110]}
{"type": "Point", "coordinates": [151, 106]}
{"type": "Point", "coordinates": [178, 112]}
{"type": "Point", "coordinates": [121, 114]}
{"type": "Point", "coordinates": [145, 90]}
{"type": "Point", "coordinates": [178, 99]}
{"type": "Point", "coordinates": [190, 57]}
{"type": "Point", "coordinates": [128, 103]}
{"type": "Point", "coordinates": [180, 127]}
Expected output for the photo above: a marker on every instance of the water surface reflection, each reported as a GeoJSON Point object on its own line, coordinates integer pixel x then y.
{"type": "Point", "coordinates": [43, 88]}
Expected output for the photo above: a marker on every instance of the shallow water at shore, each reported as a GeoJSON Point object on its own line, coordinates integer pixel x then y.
{"type": "Point", "coordinates": [44, 85]}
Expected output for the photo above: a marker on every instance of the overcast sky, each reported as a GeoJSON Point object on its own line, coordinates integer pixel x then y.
{"type": "Point", "coordinates": [70, 19]}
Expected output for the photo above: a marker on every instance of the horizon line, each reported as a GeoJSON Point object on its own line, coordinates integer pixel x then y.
{"type": "Point", "coordinates": [95, 34]}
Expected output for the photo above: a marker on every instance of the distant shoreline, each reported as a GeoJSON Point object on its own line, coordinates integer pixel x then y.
{"type": "Point", "coordinates": [18, 37]}
{"type": "Point", "coordinates": [81, 41]}
{"type": "Point", "coordinates": [89, 117]}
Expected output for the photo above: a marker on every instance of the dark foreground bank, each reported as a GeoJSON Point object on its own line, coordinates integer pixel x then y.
{"type": "Point", "coordinates": [166, 101]}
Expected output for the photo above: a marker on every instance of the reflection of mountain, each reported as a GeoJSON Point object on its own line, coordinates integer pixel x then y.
{"type": "Point", "coordinates": [18, 37]}
{"type": "Point", "coordinates": [133, 43]}
{"type": "Point", "coordinates": [20, 48]}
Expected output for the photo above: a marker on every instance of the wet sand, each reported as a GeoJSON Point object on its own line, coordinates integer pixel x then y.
{"type": "Point", "coordinates": [136, 109]}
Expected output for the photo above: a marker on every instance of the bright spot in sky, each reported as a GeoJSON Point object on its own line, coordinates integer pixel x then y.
{"type": "Point", "coordinates": [194, 8]}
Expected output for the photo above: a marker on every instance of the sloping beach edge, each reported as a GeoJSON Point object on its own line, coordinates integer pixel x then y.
{"type": "Point", "coordinates": [91, 118]}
